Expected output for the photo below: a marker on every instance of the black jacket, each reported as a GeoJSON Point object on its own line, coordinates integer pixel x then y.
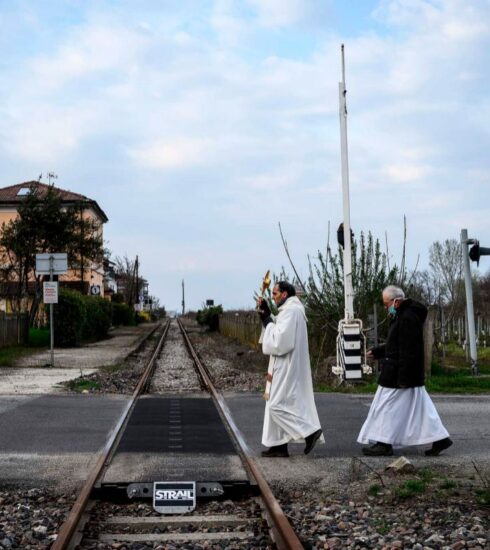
{"type": "Point", "coordinates": [402, 357]}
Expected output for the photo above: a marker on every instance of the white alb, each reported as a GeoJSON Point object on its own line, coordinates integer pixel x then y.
{"type": "Point", "coordinates": [290, 412]}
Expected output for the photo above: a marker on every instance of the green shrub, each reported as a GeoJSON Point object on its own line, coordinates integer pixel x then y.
{"type": "Point", "coordinates": [98, 318]}
{"type": "Point", "coordinates": [122, 314]}
{"type": "Point", "coordinates": [209, 316]}
{"type": "Point", "coordinates": [78, 317]}
{"type": "Point", "coordinates": [39, 337]}
{"type": "Point", "coordinates": [69, 318]}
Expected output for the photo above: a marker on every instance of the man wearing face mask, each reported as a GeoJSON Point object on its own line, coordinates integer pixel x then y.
{"type": "Point", "coordinates": [290, 411]}
{"type": "Point", "coordinates": [402, 413]}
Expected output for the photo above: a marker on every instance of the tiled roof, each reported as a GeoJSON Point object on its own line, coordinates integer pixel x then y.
{"type": "Point", "coordinates": [10, 195]}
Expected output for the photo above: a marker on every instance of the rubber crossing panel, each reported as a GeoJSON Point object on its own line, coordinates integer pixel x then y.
{"type": "Point", "coordinates": [175, 424]}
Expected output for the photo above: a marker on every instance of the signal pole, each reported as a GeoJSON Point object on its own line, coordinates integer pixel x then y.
{"type": "Point", "coordinates": [348, 289]}
{"type": "Point", "coordinates": [351, 344]}
{"type": "Point", "coordinates": [470, 314]}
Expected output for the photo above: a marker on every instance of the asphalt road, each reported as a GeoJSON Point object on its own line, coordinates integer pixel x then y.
{"type": "Point", "coordinates": [52, 439]}
{"type": "Point", "coordinates": [467, 418]}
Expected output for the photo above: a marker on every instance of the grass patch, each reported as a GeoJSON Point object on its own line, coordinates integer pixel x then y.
{"type": "Point", "coordinates": [113, 368]}
{"type": "Point", "coordinates": [447, 484]}
{"type": "Point", "coordinates": [426, 475]}
{"type": "Point", "coordinates": [442, 380]}
{"type": "Point", "coordinates": [483, 496]}
{"type": "Point", "coordinates": [458, 381]}
{"type": "Point", "coordinates": [81, 384]}
{"type": "Point", "coordinates": [374, 490]}
{"type": "Point", "coordinates": [411, 488]}
{"type": "Point", "coordinates": [10, 354]}
{"type": "Point", "coordinates": [38, 339]}
{"type": "Point", "coordinates": [383, 527]}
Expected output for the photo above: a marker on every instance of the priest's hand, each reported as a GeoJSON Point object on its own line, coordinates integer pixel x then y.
{"type": "Point", "coordinates": [263, 308]}
{"type": "Point", "coordinates": [264, 311]}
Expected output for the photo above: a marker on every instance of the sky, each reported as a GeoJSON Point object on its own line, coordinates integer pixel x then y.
{"type": "Point", "coordinates": [199, 125]}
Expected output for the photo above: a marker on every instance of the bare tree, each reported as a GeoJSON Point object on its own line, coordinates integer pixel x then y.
{"type": "Point", "coordinates": [447, 268]}
{"type": "Point", "coordinates": [129, 282]}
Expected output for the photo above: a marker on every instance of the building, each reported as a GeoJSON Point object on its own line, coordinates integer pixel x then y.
{"type": "Point", "coordinates": [89, 279]}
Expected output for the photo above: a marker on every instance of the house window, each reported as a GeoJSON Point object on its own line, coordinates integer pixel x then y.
{"type": "Point", "coordinates": [23, 191]}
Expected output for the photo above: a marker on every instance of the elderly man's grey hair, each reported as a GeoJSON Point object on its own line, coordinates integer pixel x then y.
{"type": "Point", "coordinates": [393, 292]}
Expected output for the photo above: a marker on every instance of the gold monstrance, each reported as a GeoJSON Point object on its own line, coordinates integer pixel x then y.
{"type": "Point", "coordinates": [266, 281]}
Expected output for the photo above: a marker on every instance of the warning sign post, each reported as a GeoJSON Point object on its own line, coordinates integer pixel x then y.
{"type": "Point", "coordinates": [52, 264]}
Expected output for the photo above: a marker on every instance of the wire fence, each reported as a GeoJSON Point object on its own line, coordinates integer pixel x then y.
{"type": "Point", "coordinates": [244, 326]}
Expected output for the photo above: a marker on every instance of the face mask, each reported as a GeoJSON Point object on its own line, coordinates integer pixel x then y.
{"type": "Point", "coordinates": [392, 310]}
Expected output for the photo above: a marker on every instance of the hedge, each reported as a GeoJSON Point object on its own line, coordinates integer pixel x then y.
{"type": "Point", "coordinates": [78, 317]}
{"type": "Point", "coordinates": [122, 314]}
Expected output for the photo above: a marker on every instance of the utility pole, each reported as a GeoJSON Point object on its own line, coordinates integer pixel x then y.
{"type": "Point", "coordinates": [136, 268]}
{"type": "Point", "coordinates": [183, 297]}
{"type": "Point", "coordinates": [470, 314]}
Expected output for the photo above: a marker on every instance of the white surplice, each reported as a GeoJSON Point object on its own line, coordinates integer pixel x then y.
{"type": "Point", "coordinates": [290, 412]}
{"type": "Point", "coordinates": [402, 417]}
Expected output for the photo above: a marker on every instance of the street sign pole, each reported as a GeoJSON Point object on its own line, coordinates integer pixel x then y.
{"type": "Point", "coordinates": [51, 263]}
{"type": "Point", "coordinates": [51, 324]}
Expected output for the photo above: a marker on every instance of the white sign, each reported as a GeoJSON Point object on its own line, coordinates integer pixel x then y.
{"type": "Point", "coordinates": [95, 290]}
{"type": "Point", "coordinates": [174, 497]}
{"type": "Point", "coordinates": [50, 292]}
{"type": "Point", "coordinates": [57, 260]}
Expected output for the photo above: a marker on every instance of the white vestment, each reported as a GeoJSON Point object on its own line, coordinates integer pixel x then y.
{"type": "Point", "coordinates": [402, 417]}
{"type": "Point", "coordinates": [290, 412]}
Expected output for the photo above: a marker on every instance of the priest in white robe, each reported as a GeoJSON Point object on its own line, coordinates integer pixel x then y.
{"type": "Point", "coordinates": [290, 411]}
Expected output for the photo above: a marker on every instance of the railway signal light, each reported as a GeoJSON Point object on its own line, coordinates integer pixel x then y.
{"type": "Point", "coordinates": [340, 235]}
{"type": "Point", "coordinates": [476, 251]}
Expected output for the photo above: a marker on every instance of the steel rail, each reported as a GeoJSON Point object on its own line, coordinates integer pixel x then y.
{"type": "Point", "coordinates": [69, 527]}
{"type": "Point", "coordinates": [284, 535]}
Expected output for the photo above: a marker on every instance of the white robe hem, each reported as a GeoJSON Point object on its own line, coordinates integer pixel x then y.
{"type": "Point", "coordinates": [383, 439]}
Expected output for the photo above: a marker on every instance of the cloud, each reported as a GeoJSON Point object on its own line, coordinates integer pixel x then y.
{"type": "Point", "coordinates": [175, 153]}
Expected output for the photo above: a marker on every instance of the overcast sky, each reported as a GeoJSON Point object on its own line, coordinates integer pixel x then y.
{"type": "Point", "coordinates": [199, 125]}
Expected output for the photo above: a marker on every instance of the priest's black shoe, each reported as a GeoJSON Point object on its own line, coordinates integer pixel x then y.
{"type": "Point", "coordinates": [438, 447]}
{"type": "Point", "coordinates": [378, 449]}
{"type": "Point", "coordinates": [311, 440]}
{"type": "Point", "coordinates": [280, 451]}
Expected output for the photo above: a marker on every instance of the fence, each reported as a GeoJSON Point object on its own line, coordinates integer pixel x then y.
{"type": "Point", "coordinates": [455, 329]}
{"type": "Point", "coordinates": [14, 329]}
{"type": "Point", "coordinates": [245, 326]}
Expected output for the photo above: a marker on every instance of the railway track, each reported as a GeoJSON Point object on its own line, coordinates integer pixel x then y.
{"type": "Point", "coordinates": [255, 520]}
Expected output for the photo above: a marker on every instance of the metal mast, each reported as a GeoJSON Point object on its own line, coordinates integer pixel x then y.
{"type": "Point", "coordinates": [348, 289]}
{"type": "Point", "coordinates": [470, 315]}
